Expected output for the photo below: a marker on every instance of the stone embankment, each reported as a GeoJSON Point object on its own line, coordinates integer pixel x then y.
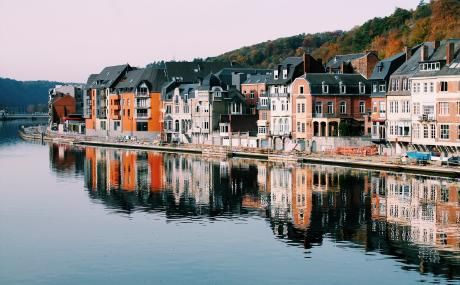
{"type": "Point", "coordinates": [366, 162]}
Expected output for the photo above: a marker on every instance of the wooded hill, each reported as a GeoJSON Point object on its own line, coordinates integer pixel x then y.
{"type": "Point", "coordinates": [436, 20]}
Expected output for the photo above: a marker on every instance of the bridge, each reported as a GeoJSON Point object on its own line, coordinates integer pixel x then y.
{"type": "Point", "coordinates": [27, 116]}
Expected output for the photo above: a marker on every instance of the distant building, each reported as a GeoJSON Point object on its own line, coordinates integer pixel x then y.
{"type": "Point", "coordinates": [362, 63]}
{"type": "Point", "coordinates": [65, 104]}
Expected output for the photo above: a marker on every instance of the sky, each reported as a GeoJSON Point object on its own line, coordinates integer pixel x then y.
{"type": "Point", "coordinates": [66, 40]}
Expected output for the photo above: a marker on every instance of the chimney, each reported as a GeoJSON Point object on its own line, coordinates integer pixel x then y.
{"type": "Point", "coordinates": [306, 63]}
{"type": "Point", "coordinates": [424, 53]}
{"type": "Point", "coordinates": [408, 52]}
{"type": "Point", "coordinates": [449, 53]}
{"type": "Point", "coordinates": [436, 44]}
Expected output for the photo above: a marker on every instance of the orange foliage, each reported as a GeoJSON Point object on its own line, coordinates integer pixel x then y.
{"type": "Point", "coordinates": [445, 19]}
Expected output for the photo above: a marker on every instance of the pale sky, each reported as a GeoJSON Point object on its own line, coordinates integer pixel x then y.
{"type": "Point", "coordinates": [66, 40]}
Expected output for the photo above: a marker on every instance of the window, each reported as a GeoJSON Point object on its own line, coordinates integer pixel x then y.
{"type": "Point", "coordinates": [275, 74]}
{"type": "Point", "coordinates": [318, 108]}
{"type": "Point", "coordinates": [298, 107]}
{"type": "Point", "coordinates": [251, 95]}
{"type": "Point", "coordinates": [343, 107]}
{"type": "Point", "coordinates": [416, 108]}
{"type": "Point", "coordinates": [458, 108]}
{"type": "Point", "coordinates": [382, 88]}
{"type": "Point", "coordinates": [445, 132]}
{"type": "Point", "coordinates": [397, 85]}
{"type": "Point", "coordinates": [405, 106]}
{"type": "Point", "coordinates": [285, 73]}
{"type": "Point", "coordinates": [103, 125]}
{"type": "Point", "coordinates": [374, 87]}
{"type": "Point", "coordinates": [362, 88]}
{"type": "Point", "coordinates": [444, 108]}
{"type": "Point", "coordinates": [303, 127]}
{"type": "Point", "coordinates": [362, 107]}
{"type": "Point", "coordinates": [425, 131]}
{"type": "Point", "coordinates": [431, 87]}
{"type": "Point", "coordinates": [396, 106]}
{"type": "Point", "coordinates": [197, 109]}
{"type": "Point", "coordinates": [298, 126]}
{"type": "Point", "coordinates": [264, 101]}
{"type": "Point", "coordinates": [325, 88]}
{"type": "Point", "coordinates": [168, 109]}
{"type": "Point", "coordinates": [303, 107]}
{"type": "Point", "coordinates": [405, 84]}
{"type": "Point", "coordinates": [142, 126]}
{"type": "Point", "coordinates": [416, 131]}
{"type": "Point", "coordinates": [382, 107]}
{"type": "Point", "coordinates": [425, 87]}
{"type": "Point", "coordinates": [301, 89]}
{"type": "Point", "coordinates": [433, 131]}
{"type": "Point", "coordinates": [274, 106]}
{"type": "Point", "coordinates": [330, 107]}
{"type": "Point", "coordinates": [343, 88]}
{"type": "Point", "coordinates": [236, 108]}
{"type": "Point", "coordinates": [430, 66]}
{"type": "Point", "coordinates": [262, 130]}
{"type": "Point", "coordinates": [206, 125]}
{"type": "Point", "coordinates": [177, 109]}
{"type": "Point", "coordinates": [444, 86]}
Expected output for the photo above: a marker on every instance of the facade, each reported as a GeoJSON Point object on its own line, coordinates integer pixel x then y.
{"type": "Point", "coordinates": [58, 110]}
{"type": "Point", "coordinates": [252, 88]}
{"type": "Point", "coordinates": [379, 82]}
{"type": "Point", "coordinates": [329, 105]}
{"type": "Point", "coordinates": [274, 129]}
{"type": "Point", "coordinates": [398, 102]}
{"type": "Point", "coordinates": [436, 99]}
{"type": "Point", "coordinates": [96, 98]}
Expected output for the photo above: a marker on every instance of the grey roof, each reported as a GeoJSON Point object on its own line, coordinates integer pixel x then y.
{"type": "Point", "coordinates": [384, 68]}
{"type": "Point", "coordinates": [337, 60]}
{"type": "Point", "coordinates": [411, 66]}
{"type": "Point", "coordinates": [91, 79]}
{"type": "Point", "coordinates": [209, 81]}
{"type": "Point", "coordinates": [109, 76]}
{"type": "Point", "coordinates": [188, 88]}
{"type": "Point", "coordinates": [295, 69]}
{"type": "Point", "coordinates": [153, 77]}
{"type": "Point", "coordinates": [192, 71]}
{"type": "Point", "coordinates": [258, 78]}
{"type": "Point", "coordinates": [439, 55]}
{"type": "Point", "coordinates": [351, 81]}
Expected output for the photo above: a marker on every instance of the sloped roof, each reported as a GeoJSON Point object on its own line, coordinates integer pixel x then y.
{"type": "Point", "coordinates": [294, 65]}
{"type": "Point", "coordinates": [337, 60]}
{"type": "Point", "coordinates": [108, 77]}
{"type": "Point", "coordinates": [385, 67]}
{"type": "Point", "coordinates": [411, 66]}
{"type": "Point", "coordinates": [439, 55]}
{"type": "Point", "coordinates": [193, 71]}
{"type": "Point", "coordinates": [351, 81]}
{"type": "Point", "coordinates": [155, 78]}
{"type": "Point", "coordinates": [258, 78]}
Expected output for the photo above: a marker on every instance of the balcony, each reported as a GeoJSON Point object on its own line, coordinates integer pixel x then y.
{"type": "Point", "coordinates": [142, 106]}
{"type": "Point", "coordinates": [325, 115]}
{"type": "Point", "coordinates": [281, 133]}
{"type": "Point", "coordinates": [426, 118]}
{"type": "Point", "coordinates": [142, 94]}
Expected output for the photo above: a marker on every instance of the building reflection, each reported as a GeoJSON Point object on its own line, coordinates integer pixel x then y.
{"type": "Point", "coordinates": [410, 217]}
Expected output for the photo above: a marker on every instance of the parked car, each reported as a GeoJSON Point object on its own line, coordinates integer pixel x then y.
{"type": "Point", "coordinates": [437, 156]}
{"type": "Point", "coordinates": [453, 160]}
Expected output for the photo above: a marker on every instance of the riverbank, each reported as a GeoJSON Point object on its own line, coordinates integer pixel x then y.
{"type": "Point", "coordinates": [365, 162]}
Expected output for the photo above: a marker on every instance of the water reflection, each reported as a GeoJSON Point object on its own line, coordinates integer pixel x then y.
{"type": "Point", "coordinates": [414, 219]}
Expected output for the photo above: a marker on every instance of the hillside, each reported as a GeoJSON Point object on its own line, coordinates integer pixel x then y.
{"type": "Point", "coordinates": [439, 19]}
{"type": "Point", "coordinates": [31, 95]}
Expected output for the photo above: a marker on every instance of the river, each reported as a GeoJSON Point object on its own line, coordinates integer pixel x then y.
{"type": "Point", "coordinates": [75, 215]}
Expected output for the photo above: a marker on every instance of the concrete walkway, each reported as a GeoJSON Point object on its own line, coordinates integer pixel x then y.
{"type": "Point", "coordinates": [368, 162]}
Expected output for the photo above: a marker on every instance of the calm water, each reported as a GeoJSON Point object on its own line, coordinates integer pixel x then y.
{"type": "Point", "coordinates": [73, 215]}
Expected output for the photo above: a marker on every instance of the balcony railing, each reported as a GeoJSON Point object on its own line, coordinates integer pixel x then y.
{"type": "Point", "coordinates": [142, 94]}
{"type": "Point", "coordinates": [426, 117]}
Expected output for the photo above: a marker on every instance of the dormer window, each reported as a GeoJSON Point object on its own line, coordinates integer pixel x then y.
{"type": "Point", "coordinates": [325, 88]}
{"type": "Point", "coordinates": [275, 74]}
{"type": "Point", "coordinates": [362, 88]}
{"type": "Point", "coordinates": [217, 94]}
{"type": "Point", "coordinates": [429, 66]}
{"type": "Point", "coordinates": [301, 89]}
{"type": "Point", "coordinates": [285, 72]}
{"type": "Point", "coordinates": [380, 68]}
{"type": "Point", "coordinates": [342, 87]}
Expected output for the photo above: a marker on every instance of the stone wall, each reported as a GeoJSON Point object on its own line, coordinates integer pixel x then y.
{"type": "Point", "coordinates": [319, 144]}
